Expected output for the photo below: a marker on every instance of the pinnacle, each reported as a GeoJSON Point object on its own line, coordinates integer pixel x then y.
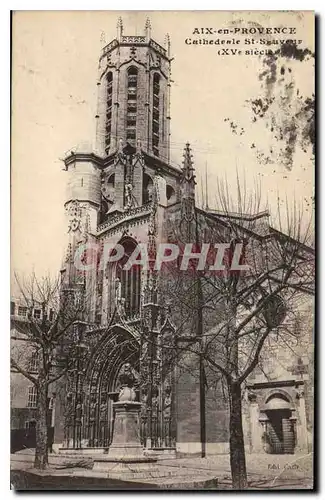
{"type": "Point", "coordinates": [148, 23]}
{"type": "Point", "coordinates": [188, 168]}
{"type": "Point", "coordinates": [187, 162]}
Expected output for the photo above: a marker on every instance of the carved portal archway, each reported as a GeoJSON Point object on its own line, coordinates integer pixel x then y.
{"type": "Point", "coordinates": [96, 387]}
{"type": "Point", "coordinates": [93, 386]}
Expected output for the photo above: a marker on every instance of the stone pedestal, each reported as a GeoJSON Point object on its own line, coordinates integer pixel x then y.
{"type": "Point", "coordinates": [125, 455]}
{"type": "Point", "coordinates": [126, 436]}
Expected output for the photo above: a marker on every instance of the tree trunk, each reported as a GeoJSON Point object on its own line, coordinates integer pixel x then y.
{"type": "Point", "coordinates": [41, 452]}
{"type": "Point", "coordinates": [237, 447]}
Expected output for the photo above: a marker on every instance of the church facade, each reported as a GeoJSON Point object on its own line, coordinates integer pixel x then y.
{"type": "Point", "coordinates": [126, 192]}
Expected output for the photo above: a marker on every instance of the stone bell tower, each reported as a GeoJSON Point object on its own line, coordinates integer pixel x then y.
{"type": "Point", "coordinates": [134, 94]}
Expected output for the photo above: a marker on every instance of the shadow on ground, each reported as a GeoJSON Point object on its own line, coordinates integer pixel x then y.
{"type": "Point", "coordinates": [24, 480]}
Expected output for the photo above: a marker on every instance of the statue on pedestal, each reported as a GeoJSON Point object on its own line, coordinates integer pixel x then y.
{"type": "Point", "coordinates": [127, 380]}
{"type": "Point", "coordinates": [78, 422]}
{"type": "Point", "coordinates": [128, 195]}
{"type": "Point", "coordinates": [167, 415]}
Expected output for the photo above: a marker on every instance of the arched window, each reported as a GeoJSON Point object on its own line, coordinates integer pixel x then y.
{"type": "Point", "coordinates": [155, 114]}
{"type": "Point", "coordinates": [147, 188]}
{"type": "Point", "coordinates": [131, 110]}
{"type": "Point", "coordinates": [108, 190]}
{"type": "Point", "coordinates": [170, 194]}
{"type": "Point", "coordinates": [130, 280]}
{"type": "Point", "coordinates": [108, 129]}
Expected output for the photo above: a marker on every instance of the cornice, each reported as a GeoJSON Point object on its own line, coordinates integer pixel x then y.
{"type": "Point", "coordinates": [134, 41]}
{"type": "Point", "coordinates": [274, 383]}
{"type": "Point", "coordinates": [84, 157]}
{"type": "Point", "coordinates": [131, 217]}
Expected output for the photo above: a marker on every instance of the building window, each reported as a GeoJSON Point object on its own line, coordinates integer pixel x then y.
{"type": "Point", "coordinates": [32, 397]}
{"type": "Point", "coordinates": [155, 114]}
{"type": "Point", "coordinates": [33, 363]}
{"type": "Point", "coordinates": [30, 424]}
{"type": "Point", "coordinates": [163, 118]}
{"type": "Point", "coordinates": [22, 311]}
{"type": "Point", "coordinates": [170, 194]}
{"type": "Point", "coordinates": [130, 134]}
{"type": "Point", "coordinates": [131, 108]}
{"type": "Point", "coordinates": [147, 188]}
{"type": "Point", "coordinates": [130, 281]}
{"type": "Point", "coordinates": [37, 313]}
{"type": "Point", "coordinates": [109, 103]}
{"type": "Point", "coordinates": [12, 308]}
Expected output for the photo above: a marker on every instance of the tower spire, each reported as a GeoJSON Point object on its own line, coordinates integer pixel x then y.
{"type": "Point", "coordinates": [188, 190]}
{"type": "Point", "coordinates": [147, 28]}
{"type": "Point", "coordinates": [133, 94]}
{"type": "Point", "coordinates": [188, 175]}
{"type": "Point", "coordinates": [119, 28]}
{"type": "Point", "coordinates": [167, 44]}
{"type": "Point", "coordinates": [187, 168]}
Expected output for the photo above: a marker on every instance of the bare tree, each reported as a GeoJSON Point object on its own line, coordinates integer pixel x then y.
{"type": "Point", "coordinates": [231, 313]}
{"type": "Point", "coordinates": [48, 343]}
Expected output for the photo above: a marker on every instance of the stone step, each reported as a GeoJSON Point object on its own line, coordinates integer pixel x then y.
{"type": "Point", "coordinates": [63, 460]}
{"type": "Point", "coordinates": [123, 470]}
{"type": "Point", "coordinates": [87, 451]}
{"type": "Point", "coordinates": [161, 453]}
{"type": "Point", "coordinates": [182, 483]}
{"type": "Point", "coordinates": [149, 473]}
{"type": "Point", "coordinates": [137, 475]}
{"type": "Point", "coordinates": [177, 478]}
{"type": "Point", "coordinates": [88, 480]}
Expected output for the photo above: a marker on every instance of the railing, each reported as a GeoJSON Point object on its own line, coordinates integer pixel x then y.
{"type": "Point", "coordinates": [109, 47]}
{"type": "Point", "coordinates": [158, 47]}
{"type": "Point", "coordinates": [133, 39]}
{"type": "Point", "coordinates": [117, 219]}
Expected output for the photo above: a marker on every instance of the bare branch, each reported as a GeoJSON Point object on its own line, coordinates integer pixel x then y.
{"type": "Point", "coordinates": [24, 372]}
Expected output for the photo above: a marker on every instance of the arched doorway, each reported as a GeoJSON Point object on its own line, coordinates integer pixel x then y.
{"type": "Point", "coordinates": [279, 425]}
{"type": "Point", "coordinates": [91, 425]}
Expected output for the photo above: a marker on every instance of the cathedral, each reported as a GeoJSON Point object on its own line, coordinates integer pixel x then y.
{"type": "Point", "coordinates": [126, 191]}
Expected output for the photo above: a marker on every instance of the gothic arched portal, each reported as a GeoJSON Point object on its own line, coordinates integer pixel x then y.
{"type": "Point", "coordinates": [95, 394]}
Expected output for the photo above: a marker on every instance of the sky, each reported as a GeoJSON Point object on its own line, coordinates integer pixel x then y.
{"type": "Point", "coordinates": [54, 98]}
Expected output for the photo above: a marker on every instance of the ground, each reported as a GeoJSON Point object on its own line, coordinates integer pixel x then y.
{"type": "Point", "coordinates": [264, 471]}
